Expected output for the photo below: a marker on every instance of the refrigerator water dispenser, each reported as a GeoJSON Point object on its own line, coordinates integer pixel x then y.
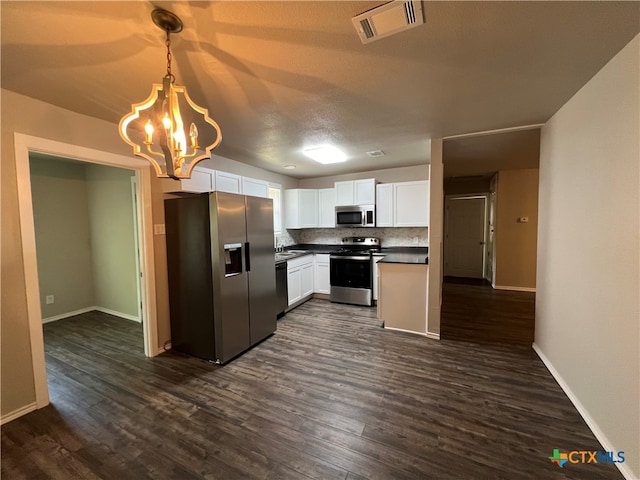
{"type": "Point", "coordinates": [232, 259]}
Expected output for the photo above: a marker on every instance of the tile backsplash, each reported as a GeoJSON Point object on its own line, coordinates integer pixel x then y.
{"type": "Point", "coordinates": [389, 237]}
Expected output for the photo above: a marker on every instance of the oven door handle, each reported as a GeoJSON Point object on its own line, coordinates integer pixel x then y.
{"type": "Point", "coordinates": [350, 257]}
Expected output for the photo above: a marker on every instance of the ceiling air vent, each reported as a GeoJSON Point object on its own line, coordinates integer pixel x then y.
{"type": "Point", "coordinates": [376, 153]}
{"type": "Point", "coordinates": [387, 19]}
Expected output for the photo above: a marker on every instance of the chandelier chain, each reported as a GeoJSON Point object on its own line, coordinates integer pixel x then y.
{"type": "Point", "coordinates": [168, 44]}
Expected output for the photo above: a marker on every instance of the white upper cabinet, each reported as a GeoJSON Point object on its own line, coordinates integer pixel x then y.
{"type": "Point", "coordinates": [202, 180]}
{"type": "Point", "coordinates": [411, 204]}
{"type": "Point", "coordinates": [301, 208]}
{"type": "Point", "coordinates": [384, 205]}
{"type": "Point", "coordinates": [228, 182]}
{"type": "Point", "coordinates": [255, 187]}
{"type": "Point", "coordinates": [356, 192]}
{"type": "Point", "coordinates": [404, 204]}
{"type": "Point", "coordinates": [327, 207]}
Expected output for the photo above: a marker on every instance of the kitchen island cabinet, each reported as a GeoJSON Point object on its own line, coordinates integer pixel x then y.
{"type": "Point", "coordinates": [402, 296]}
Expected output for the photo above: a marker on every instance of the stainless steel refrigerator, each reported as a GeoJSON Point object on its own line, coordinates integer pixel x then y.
{"type": "Point", "coordinates": [221, 269]}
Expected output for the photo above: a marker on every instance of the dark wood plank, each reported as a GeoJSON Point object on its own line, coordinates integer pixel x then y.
{"type": "Point", "coordinates": [472, 311]}
{"type": "Point", "coordinates": [331, 395]}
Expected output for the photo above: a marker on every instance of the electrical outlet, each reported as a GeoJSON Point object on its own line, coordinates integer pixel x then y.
{"type": "Point", "coordinates": [49, 299]}
{"type": "Point", "coordinates": [416, 240]}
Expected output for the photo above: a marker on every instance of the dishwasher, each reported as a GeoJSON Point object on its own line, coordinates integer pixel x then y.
{"type": "Point", "coordinates": [281, 288]}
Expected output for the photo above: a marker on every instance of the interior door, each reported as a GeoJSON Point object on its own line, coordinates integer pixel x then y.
{"type": "Point", "coordinates": [465, 236]}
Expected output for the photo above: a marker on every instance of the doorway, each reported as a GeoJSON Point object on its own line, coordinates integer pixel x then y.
{"type": "Point", "coordinates": [86, 238]}
{"type": "Point", "coordinates": [465, 234]}
{"type": "Point", "coordinates": [23, 145]}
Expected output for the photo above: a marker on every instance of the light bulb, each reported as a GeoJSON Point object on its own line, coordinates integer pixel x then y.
{"type": "Point", "coordinates": [148, 128]}
{"type": "Point", "coordinates": [166, 121]}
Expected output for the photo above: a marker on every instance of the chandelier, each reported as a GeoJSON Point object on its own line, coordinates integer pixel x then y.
{"type": "Point", "coordinates": [164, 128]}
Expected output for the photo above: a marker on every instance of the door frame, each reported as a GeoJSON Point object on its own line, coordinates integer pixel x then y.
{"type": "Point", "coordinates": [445, 243]}
{"type": "Point", "coordinates": [23, 145]}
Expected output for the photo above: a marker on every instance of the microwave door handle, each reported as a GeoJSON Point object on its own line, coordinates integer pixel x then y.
{"type": "Point", "coordinates": [364, 218]}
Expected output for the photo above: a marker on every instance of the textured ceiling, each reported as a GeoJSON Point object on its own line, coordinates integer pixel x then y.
{"type": "Point", "coordinates": [282, 76]}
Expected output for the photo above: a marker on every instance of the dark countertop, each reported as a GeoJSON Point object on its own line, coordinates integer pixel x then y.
{"type": "Point", "coordinates": [407, 258]}
{"type": "Point", "coordinates": [408, 255]}
{"type": "Point", "coordinates": [313, 248]}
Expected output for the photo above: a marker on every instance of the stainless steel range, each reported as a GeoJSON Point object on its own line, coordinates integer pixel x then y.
{"type": "Point", "coordinates": [351, 271]}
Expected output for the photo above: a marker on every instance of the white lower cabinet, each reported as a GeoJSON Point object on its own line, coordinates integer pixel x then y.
{"type": "Point", "coordinates": [322, 274]}
{"type": "Point", "coordinates": [299, 279]}
{"type": "Point", "coordinates": [294, 285]}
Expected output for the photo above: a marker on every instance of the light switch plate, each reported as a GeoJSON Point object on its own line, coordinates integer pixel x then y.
{"type": "Point", "coordinates": [158, 229]}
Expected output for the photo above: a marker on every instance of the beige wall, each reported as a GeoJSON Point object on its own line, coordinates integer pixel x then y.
{"type": "Point", "coordinates": [436, 228]}
{"type": "Point", "coordinates": [63, 240]}
{"type": "Point", "coordinates": [516, 242]}
{"type": "Point", "coordinates": [460, 186]}
{"type": "Point", "coordinates": [390, 175]}
{"type": "Point", "coordinates": [587, 306]}
{"type": "Point", "coordinates": [113, 246]}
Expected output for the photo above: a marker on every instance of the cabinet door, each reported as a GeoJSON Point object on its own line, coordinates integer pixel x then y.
{"type": "Point", "coordinates": [384, 205]}
{"type": "Point", "coordinates": [321, 281]}
{"type": "Point", "coordinates": [306, 279]}
{"type": "Point", "coordinates": [294, 285]}
{"type": "Point", "coordinates": [411, 204]}
{"type": "Point", "coordinates": [327, 207]}
{"type": "Point", "coordinates": [308, 208]}
{"type": "Point", "coordinates": [228, 182]}
{"type": "Point", "coordinates": [255, 187]}
{"type": "Point", "coordinates": [344, 193]}
{"type": "Point", "coordinates": [291, 208]}
{"type": "Point", "coordinates": [201, 181]}
{"type": "Point", "coordinates": [364, 192]}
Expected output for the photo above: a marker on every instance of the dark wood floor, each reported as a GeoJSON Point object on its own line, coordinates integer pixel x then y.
{"type": "Point", "coordinates": [472, 311]}
{"type": "Point", "coordinates": [330, 396]}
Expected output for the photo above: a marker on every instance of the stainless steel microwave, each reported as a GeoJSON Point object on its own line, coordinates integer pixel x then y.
{"type": "Point", "coordinates": [356, 216]}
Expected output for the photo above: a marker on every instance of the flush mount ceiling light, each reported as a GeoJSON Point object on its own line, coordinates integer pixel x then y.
{"type": "Point", "coordinates": [325, 154]}
{"type": "Point", "coordinates": [155, 128]}
{"type": "Point", "coordinates": [289, 167]}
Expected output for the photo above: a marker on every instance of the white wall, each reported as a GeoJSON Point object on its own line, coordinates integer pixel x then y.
{"type": "Point", "coordinates": [587, 307]}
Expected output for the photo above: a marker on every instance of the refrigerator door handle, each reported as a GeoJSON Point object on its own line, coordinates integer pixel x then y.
{"type": "Point", "coordinates": [247, 257]}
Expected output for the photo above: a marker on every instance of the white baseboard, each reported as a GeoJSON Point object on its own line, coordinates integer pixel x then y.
{"type": "Point", "coordinates": [18, 413]}
{"type": "Point", "coordinates": [68, 314]}
{"type": "Point", "coordinates": [584, 413]}
{"type": "Point", "coordinates": [126, 316]}
{"type": "Point", "coordinates": [435, 336]}
{"type": "Point", "coordinates": [515, 289]}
